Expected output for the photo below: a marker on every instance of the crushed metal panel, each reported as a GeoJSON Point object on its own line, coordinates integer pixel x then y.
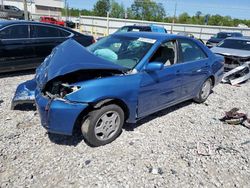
{"type": "Point", "coordinates": [25, 94]}
{"type": "Point", "coordinates": [238, 74]}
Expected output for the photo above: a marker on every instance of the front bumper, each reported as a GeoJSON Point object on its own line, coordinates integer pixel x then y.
{"type": "Point", "coordinates": [25, 94]}
{"type": "Point", "coordinates": [58, 116]}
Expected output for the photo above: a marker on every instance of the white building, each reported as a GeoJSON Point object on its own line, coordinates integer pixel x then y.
{"type": "Point", "coordinates": [39, 7]}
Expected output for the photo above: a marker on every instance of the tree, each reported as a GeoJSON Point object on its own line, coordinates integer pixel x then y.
{"type": "Point", "coordinates": [198, 14]}
{"type": "Point", "coordinates": [101, 8]}
{"type": "Point", "coordinates": [184, 18]}
{"type": "Point", "coordinates": [147, 10]}
{"type": "Point", "coordinates": [117, 10]}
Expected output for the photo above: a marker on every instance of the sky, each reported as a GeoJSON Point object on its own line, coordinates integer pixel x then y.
{"type": "Point", "coordinates": [234, 8]}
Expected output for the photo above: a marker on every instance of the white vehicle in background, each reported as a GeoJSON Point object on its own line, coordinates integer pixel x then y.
{"type": "Point", "coordinates": [9, 11]}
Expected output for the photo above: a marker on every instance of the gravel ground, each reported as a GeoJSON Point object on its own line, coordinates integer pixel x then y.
{"type": "Point", "coordinates": [161, 151]}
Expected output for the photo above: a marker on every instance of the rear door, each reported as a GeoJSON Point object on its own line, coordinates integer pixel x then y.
{"type": "Point", "coordinates": [45, 38]}
{"type": "Point", "coordinates": [195, 67]}
{"type": "Point", "coordinates": [16, 49]}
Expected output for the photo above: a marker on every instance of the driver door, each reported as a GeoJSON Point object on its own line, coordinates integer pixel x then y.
{"type": "Point", "coordinates": [161, 88]}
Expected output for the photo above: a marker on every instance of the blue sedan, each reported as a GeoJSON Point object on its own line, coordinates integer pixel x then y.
{"type": "Point", "coordinates": [121, 78]}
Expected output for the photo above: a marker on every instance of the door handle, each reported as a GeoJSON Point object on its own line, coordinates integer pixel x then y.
{"type": "Point", "coordinates": [177, 72]}
{"type": "Point", "coordinates": [196, 70]}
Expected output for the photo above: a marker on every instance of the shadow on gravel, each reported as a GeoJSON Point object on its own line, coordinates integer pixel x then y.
{"type": "Point", "coordinates": [77, 136]}
{"type": "Point", "coordinates": [25, 107]}
{"type": "Point", "coordinates": [131, 127]}
{"type": "Point", "coordinates": [73, 140]}
{"type": "Point", "coordinates": [17, 73]}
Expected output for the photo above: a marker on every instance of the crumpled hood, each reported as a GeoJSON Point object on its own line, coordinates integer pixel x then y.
{"type": "Point", "coordinates": [231, 52]}
{"type": "Point", "coordinates": [68, 57]}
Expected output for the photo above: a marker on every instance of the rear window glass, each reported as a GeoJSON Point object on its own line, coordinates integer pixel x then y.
{"type": "Point", "coordinates": [15, 32]}
{"type": "Point", "coordinates": [191, 51]}
{"type": "Point", "coordinates": [223, 35]}
{"type": "Point", "coordinates": [235, 44]}
{"type": "Point", "coordinates": [45, 32]}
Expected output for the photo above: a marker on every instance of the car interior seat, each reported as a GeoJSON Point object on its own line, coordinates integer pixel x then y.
{"type": "Point", "coordinates": [165, 55]}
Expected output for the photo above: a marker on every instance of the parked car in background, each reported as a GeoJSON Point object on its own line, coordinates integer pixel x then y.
{"type": "Point", "coordinates": [51, 20]}
{"type": "Point", "coordinates": [9, 11]}
{"type": "Point", "coordinates": [235, 50]}
{"type": "Point", "coordinates": [214, 40]}
{"type": "Point", "coordinates": [190, 35]}
{"type": "Point", "coordinates": [24, 45]}
{"type": "Point", "coordinates": [70, 24]}
{"type": "Point", "coordinates": [140, 28]}
{"type": "Point", "coordinates": [121, 78]}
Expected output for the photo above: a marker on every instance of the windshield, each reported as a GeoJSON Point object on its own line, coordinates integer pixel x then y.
{"type": "Point", "coordinates": [122, 50]}
{"type": "Point", "coordinates": [235, 44]}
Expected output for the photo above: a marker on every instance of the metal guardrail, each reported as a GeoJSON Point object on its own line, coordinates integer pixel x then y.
{"type": "Point", "coordinates": [101, 26]}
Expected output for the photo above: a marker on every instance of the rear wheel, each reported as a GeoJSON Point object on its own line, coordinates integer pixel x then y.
{"type": "Point", "coordinates": [103, 125]}
{"type": "Point", "coordinates": [205, 91]}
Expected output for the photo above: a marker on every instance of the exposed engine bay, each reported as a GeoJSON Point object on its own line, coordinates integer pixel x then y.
{"type": "Point", "coordinates": [64, 85]}
{"type": "Point", "coordinates": [232, 62]}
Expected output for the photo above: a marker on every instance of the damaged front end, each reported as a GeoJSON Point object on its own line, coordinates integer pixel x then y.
{"type": "Point", "coordinates": [237, 75]}
{"type": "Point", "coordinates": [64, 73]}
{"type": "Point", "coordinates": [68, 63]}
{"type": "Point", "coordinates": [237, 65]}
{"type": "Point", "coordinates": [64, 85]}
{"type": "Point", "coordinates": [232, 62]}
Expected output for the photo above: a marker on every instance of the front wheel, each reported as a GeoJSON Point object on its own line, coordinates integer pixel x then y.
{"type": "Point", "coordinates": [204, 92]}
{"type": "Point", "coordinates": [103, 125]}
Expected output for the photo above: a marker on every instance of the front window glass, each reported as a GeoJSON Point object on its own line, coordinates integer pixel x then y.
{"type": "Point", "coordinates": [165, 54]}
{"type": "Point", "coordinates": [121, 50]}
{"type": "Point", "coordinates": [235, 44]}
{"type": "Point", "coordinates": [15, 32]}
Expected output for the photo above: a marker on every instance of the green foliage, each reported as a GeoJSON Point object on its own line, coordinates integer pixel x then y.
{"type": "Point", "coordinates": [152, 11]}
{"type": "Point", "coordinates": [76, 12]}
{"type": "Point", "coordinates": [101, 8]}
{"type": "Point", "coordinates": [146, 10]}
{"type": "Point", "coordinates": [117, 10]}
{"type": "Point", "coordinates": [217, 20]}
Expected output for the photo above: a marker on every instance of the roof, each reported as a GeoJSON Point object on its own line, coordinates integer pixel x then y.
{"type": "Point", "coordinates": [239, 38]}
{"type": "Point", "coordinates": [227, 32]}
{"type": "Point", "coordinates": [4, 23]}
{"type": "Point", "coordinates": [150, 35]}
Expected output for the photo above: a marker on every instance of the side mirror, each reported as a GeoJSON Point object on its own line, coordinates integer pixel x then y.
{"type": "Point", "coordinates": [154, 66]}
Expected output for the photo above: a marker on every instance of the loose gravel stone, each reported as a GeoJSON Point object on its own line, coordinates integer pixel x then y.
{"type": "Point", "coordinates": [165, 142]}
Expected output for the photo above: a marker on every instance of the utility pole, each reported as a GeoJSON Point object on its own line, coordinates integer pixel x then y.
{"type": "Point", "coordinates": [173, 22]}
{"type": "Point", "coordinates": [108, 23]}
{"type": "Point", "coordinates": [66, 9]}
{"type": "Point", "coordinates": [26, 17]}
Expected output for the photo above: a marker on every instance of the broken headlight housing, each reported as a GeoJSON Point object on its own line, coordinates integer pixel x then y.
{"type": "Point", "coordinates": [60, 90]}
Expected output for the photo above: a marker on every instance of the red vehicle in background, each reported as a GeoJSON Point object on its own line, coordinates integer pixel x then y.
{"type": "Point", "coordinates": [51, 20]}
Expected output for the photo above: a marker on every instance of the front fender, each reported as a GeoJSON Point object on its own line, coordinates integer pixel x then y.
{"type": "Point", "coordinates": [123, 88]}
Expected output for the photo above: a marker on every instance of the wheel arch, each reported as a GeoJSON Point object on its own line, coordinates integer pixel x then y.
{"type": "Point", "coordinates": [213, 79]}
{"type": "Point", "coordinates": [99, 104]}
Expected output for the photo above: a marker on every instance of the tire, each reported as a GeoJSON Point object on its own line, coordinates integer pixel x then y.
{"type": "Point", "coordinates": [204, 92]}
{"type": "Point", "coordinates": [103, 125]}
